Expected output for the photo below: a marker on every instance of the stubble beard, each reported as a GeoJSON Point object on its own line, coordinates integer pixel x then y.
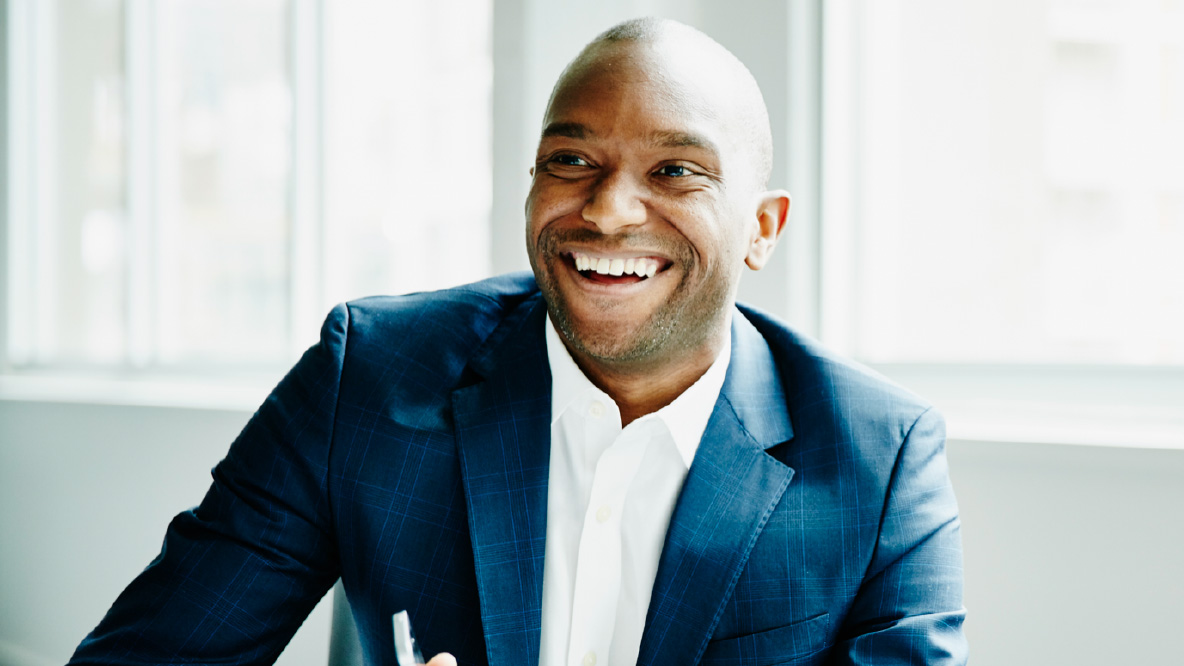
{"type": "Point", "coordinates": [682, 325]}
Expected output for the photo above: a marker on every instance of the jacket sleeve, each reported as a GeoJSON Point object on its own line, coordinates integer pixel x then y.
{"type": "Point", "coordinates": [237, 575]}
{"type": "Point", "coordinates": [909, 608]}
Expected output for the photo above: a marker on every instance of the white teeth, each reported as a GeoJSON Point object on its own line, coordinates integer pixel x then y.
{"type": "Point", "coordinates": [642, 267]}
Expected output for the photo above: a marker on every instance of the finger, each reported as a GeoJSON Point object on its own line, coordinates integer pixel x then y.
{"type": "Point", "coordinates": [442, 659]}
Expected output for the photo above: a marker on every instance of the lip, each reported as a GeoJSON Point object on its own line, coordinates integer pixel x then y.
{"type": "Point", "coordinates": [618, 289]}
{"type": "Point", "coordinates": [618, 254]}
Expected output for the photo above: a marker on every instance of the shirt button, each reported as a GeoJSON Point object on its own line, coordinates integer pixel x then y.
{"type": "Point", "coordinates": [603, 513]}
{"type": "Point", "coordinates": [596, 409]}
{"type": "Point", "coordinates": [590, 658]}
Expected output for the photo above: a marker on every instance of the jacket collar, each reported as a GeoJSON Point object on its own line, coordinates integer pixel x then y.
{"type": "Point", "coordinates": [503, 434]}
{"type": "Point", "coordinates": [730, 492]}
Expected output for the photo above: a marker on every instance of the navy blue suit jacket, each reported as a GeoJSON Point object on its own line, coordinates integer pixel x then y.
{"type": "Point", "coordinates": [407, 453]}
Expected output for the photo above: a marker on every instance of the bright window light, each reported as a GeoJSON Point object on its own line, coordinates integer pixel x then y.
{"type": "Point", "coordinates": [1014, 188]}
{"type": "Point", "coordinates": [194, 183]}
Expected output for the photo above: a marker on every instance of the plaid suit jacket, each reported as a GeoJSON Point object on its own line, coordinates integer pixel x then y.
{"type": "Point", "coordinates": [407, 453]}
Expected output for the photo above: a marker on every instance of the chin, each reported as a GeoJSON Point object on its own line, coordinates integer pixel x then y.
{"type": "Point", "coordinates": [610, 343]}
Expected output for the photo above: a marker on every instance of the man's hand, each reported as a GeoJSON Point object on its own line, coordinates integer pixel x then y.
{"type": "Point", "coordinates": [442, 659]}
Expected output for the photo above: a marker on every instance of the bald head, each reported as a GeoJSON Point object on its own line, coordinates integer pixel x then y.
{"type": "Point", "coordinates": [724, 86]}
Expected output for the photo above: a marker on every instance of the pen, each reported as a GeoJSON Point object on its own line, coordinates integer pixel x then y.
{"type": "Point", "coordinates": [406, 649]}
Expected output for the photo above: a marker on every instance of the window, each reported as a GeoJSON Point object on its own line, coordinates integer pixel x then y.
{"type": "Point", "coordinates": [987, 199]}
{"type": "Point", "coordinates": [1018, 179]}
{"type": "Point", "coordinates": [1004, 206]}
{"type": "Point", "coordinates": [192, 184]}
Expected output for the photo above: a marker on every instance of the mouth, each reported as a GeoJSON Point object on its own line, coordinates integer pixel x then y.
{"type": "Point", "coordinates": [613, 269]}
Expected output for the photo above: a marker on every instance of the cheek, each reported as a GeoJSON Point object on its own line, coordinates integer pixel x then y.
{"type": "Point", "coordinates": [532, 201]}
{"type": "Point", "coordinates": [709, 231]}
{"type": "Point", "coordinates": [735, 226]}
{"type": "Point", "coordinates": [536, 214]}
{"type": "Point", "coordinates": [544, 204]}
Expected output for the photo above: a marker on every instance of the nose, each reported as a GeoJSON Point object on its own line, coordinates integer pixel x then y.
{"type": "Point", "coordinates": [615, 202]}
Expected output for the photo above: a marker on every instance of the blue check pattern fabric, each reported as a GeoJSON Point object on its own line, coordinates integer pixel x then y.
{"type": "Point", "coordinates": [407, 454]}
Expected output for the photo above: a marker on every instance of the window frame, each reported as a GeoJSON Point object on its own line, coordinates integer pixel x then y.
{"type": "Point", "coordinates": [28, 43]}
{"type": "Point", "coordinates": [1076, 404]}
{"type": "Point", "coordinates": [139, 379]}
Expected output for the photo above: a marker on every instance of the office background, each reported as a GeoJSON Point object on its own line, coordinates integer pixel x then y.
{"type": "Point", "coordinates": [988, 207]}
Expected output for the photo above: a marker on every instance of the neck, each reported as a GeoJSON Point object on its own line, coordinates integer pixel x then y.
{"type": "Point", "coordinates": [644, 388]}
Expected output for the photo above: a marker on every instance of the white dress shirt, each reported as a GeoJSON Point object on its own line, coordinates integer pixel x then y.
{"type": "Point", "coordinates": [610, 494]}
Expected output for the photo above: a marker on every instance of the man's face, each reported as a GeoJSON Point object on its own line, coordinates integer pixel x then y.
{"type": "Point", "coordinates": [641, 209]}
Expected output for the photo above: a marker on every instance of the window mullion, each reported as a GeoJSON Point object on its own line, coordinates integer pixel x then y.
{"type": "Point", "coordinates": [18, 333]}
{"type": "Point", "coordinates": [839, 171]}
{"type": "Point", "coordinates": [804, 125]}
{"type": "Point", "coordinates": [305, 246]}
{"type": "Point", "coordinates": [43, 213]}
{"type": "Point", "coordinates": [140, 54]}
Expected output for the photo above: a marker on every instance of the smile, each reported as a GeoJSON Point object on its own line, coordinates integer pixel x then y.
{"type": "Point", "coordinates": [597, 265]}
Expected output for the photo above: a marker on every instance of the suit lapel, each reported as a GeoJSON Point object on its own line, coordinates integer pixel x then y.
{"type": "Point", "coordinates": [730, 491]}
{"type": "Point", "coordinates": [503, 434]}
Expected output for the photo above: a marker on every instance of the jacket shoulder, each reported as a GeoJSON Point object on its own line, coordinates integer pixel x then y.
{"type": "Point", "coordinates": [407, 353]}
{"type": "Point", "coordinates": [485, 301]}
{"type": "Point", "coordinates": [834, 393]}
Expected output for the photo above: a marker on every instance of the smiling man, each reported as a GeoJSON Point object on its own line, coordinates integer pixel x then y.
{"type": "Point", "coordinates": [605, 462]}
{"type": "Point", "coordinates": [647, 201]}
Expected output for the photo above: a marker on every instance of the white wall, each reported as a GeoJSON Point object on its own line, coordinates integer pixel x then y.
{"type": "Point", "coordinates": [1073, 554]}
{"type": "Point", "coordinates": [86, 492]}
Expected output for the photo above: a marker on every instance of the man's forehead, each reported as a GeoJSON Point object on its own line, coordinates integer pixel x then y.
{"type": "Point", "coordinates": [660, 138]}
{"type": "Point", "coordinates": [671, 65]}
{"type": "Point", "coordinates": [655, 84]}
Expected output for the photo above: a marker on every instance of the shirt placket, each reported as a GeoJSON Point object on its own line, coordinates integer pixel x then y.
{"type": "Point", "coordinates": [598, 564]}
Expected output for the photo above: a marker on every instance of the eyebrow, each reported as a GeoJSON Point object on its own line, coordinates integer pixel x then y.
{"type": "Point", "coordinates": [663, 138]}
{"type": "Point", "coordinates": [568, 130]}
{"type": "Point", "coordinates": [672, 139]}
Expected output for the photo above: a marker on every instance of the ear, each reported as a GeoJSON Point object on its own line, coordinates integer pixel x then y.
{"type": "Point", "coordinates": [772, 211]}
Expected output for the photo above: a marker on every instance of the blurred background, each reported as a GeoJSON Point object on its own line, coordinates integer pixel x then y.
{"type": "Point", "coordinates": [988, 207]}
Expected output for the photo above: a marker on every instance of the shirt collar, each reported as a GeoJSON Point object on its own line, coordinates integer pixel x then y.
{"type": "Point", "coordinates": [568, 382]}
{"type": "Point", "coordinates": [686, 417]}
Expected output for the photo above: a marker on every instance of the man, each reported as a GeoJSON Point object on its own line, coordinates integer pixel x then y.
{"type": "Point", "coordinates": [605, 463]}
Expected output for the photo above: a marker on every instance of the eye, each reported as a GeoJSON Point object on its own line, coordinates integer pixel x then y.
{"type": "Point", "coordinates": [674, 171]}
{"type": "Point", "coordinates": [567, 159]}
{"type": "Point", "coordinates": [564, 165]}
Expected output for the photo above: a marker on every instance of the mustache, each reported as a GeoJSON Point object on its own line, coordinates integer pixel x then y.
{"type": "Point", "coordinates": [675, 249]}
